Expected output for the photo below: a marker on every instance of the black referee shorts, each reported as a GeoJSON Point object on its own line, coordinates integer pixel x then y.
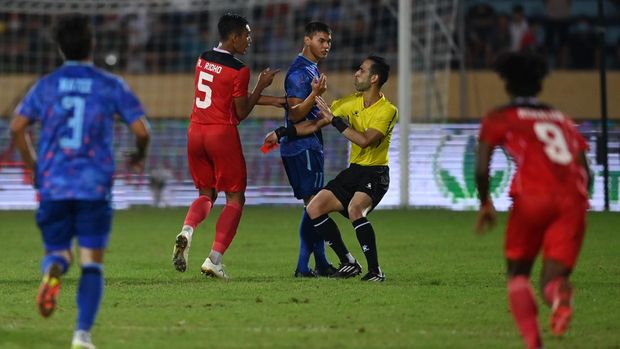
{"type": "Point", "coordinates": [372, 180]}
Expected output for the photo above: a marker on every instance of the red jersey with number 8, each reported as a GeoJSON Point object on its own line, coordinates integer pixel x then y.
{"type": "Point", "coordinates": [220, 77]}
{"type": "Point", "coordinates": [544, 144]}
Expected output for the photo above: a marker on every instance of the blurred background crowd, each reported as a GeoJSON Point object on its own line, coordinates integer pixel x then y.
{"type": "Point", "coordinates": [140, 40]}
{"type": "Point", "coordinates": [563, 30]}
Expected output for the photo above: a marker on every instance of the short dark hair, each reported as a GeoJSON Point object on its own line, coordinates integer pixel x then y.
{"type": "Point", "coordinates": [379, 67]}
{"type": "Point", "coordinates": [523, 72]}
{"type": "Point", "coordinates": [231, 23]}
{"type": "Point", "coordinates": [314, 27]}
{"type": "Point", "coordinates": [74, 35]}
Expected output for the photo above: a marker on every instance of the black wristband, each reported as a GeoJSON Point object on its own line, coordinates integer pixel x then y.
{"type": "Point", "coordinates": [289, 131]}
{"type": "Point", "coordinates": [280, 132]}
{"type": "Point", "coordinates": [339, 124]}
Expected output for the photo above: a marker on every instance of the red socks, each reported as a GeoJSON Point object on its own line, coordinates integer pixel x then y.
{"type": "Point", "coordinates": [524, 310]}
{"type": "Point", "coordinates": [226, 227]}
{"type": "Point", "coordinates": [198, 211]}
{"type": "Point", "coordinates": [558, 289]}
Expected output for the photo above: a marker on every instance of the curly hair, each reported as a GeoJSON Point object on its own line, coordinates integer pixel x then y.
{"type": "Point", "coordinates": [522, 72]}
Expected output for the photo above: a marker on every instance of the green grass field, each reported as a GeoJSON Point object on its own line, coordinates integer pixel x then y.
{"type": "Point", "coordinates": [445, 287]}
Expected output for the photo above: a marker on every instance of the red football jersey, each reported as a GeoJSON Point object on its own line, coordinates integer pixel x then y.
{"type": "Point", "coordinates": [220, 77]}
{"type": "Point", "coordinates": [545, 145]}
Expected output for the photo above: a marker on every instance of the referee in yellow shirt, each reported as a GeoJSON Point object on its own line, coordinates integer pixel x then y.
{"type": "Point", "coordinates": [366, 118]}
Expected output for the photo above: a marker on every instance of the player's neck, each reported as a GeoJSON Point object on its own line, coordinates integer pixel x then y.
{"type": "Point", "coordinates": [306, 53]}
{"type": "Point", "coordinates": [227, 46]}
{"type": "Point", "coordinates": [371, 96]}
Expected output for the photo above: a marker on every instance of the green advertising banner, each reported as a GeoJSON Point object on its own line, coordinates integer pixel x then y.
{"type": "Point", "coordinates": [441, 168]}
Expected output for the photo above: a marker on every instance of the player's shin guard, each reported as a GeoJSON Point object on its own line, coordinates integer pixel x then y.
{"type": "Point", "coordinates": [198, 211]}
{"type": "Point", "coordinates": [366, 237]}
{"type": "Point", "coordinates": [89, 294]}
{"type": "Point", "coordinates": [226, 227]}
{"type": "Point", "coordinates": [328, 230]}
{"type": "Point", "coordinates": [524, 310]}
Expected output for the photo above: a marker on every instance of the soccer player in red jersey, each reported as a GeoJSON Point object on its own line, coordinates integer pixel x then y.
{"type": "Point", "coordinates": [549, 193]}
{"type": "Point", "coordinates": [214, 150]}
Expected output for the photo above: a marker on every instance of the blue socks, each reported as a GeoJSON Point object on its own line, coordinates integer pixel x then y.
{"type": "Point", "coordinates": [306, 243]}
{"type": "Point", "coordinates": [50, 259]}
{"type": "Point", "coordinates": [89, 294]}
{"type": "Point", "coordinates": [310, 242]}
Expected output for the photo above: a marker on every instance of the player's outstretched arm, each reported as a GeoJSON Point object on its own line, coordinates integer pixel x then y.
{"type": "Point", "coordinates": [274, 101]}
{"type": "Point", "coordinates": [140, 128]}
{"type": "Point", "coordinates": [245, 104]}
{"type": "Point", "coordinates": [303, 128]}
{"type": "Point", "coordinates": [21, 139]}
{"type": "Point", "coordinates": [486, 213]}
{"type": "Point", "coordinates": [298, 108]}
{"type": "Point", "coordinates": [362, 139]}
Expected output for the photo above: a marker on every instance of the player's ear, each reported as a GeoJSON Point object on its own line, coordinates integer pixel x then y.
{"type": "Point", "coordinates": [233, 37]}
{"type": "Point", "coordinates": [307, 40]}
{"type": "Point", "coordinates": [374, 78]}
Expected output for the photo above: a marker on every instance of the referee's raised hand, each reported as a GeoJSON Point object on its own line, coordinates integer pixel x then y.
{"type": "Point", "coordinates": [324, 108]}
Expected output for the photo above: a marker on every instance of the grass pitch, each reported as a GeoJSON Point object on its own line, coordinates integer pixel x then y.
{"type": "Point", "coordinates": [445, 287]}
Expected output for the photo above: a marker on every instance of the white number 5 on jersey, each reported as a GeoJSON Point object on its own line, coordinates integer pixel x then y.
{"type": "Point", "coordinates": [203, 87]}
{"type": "Point", "coordinates": [555, 143]}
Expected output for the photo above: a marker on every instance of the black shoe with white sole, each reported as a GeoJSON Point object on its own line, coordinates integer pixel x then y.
{"type": "Point", "coordinates": [347, 270]}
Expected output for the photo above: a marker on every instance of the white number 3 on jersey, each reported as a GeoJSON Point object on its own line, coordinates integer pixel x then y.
{"type": "Point", "coordinates": [555, 143]}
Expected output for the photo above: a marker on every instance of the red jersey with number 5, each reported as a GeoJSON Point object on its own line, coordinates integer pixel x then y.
{"type": "Point", "coordinates": [545, 145]}
{"type": "Point", "coordinates": [220, 77]}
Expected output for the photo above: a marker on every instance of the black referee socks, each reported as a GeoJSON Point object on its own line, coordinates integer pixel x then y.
{"type": "Point", "coordinates": [328, 230]}
{"type": "Point", "coordinates": [366, 237]}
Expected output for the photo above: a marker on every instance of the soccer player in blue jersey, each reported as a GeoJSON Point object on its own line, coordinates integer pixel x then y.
{"type": "Point", "coordinates": [73, 165]}
{"type": "Point", "coordinates": [303, 156]}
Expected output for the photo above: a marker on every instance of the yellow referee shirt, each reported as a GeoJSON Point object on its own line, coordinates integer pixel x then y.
{"type": "Point", "coordinates": [381, 116]}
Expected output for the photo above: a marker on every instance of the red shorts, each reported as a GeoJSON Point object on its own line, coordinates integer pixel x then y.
{"type": "Point", "coordinates": [555, 223]}
{"type": "Point", "coordinates": [216, 157]}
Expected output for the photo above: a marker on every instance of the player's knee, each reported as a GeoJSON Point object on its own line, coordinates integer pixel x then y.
{"type": "Point", "coordinates": [210, 193]}
{"type": "Point", "coordinates": [65, 254]}
{"type": "Point", "coordinates": [237, 198]}
{"type": "Point", "coordinates": [315, 209]}
{"type": "Point", "coordinates": [91, 255]}
{"type": "Point", "coordinates": [553, 269]}
{"type": "Point", "coordinates": [355, 212]}
{"type": "Point", "coordinates": [519, 268]}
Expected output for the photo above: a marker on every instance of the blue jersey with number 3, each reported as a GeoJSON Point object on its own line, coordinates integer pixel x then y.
{"type": "Point", "coordinates": [75, 106]}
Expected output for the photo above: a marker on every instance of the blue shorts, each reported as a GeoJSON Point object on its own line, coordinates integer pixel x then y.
{"type": "Point", "coordinates": [305, 173]}
{"type": "Point", "coordinates": [62, 220]}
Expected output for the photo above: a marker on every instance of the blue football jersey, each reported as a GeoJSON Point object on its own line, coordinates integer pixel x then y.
{"type": "Point", "coordinates": [298, 84]}
{"type": "Point", "coordinates": [75, 105]}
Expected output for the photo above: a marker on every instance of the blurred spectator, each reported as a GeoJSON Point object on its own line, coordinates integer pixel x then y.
{"type": "Point", "coordinates": [500, 39]}
{"type": "Point", "coordinates": [279, 45]}
{"type": "Point", "coordinates": [138, 40]}
{"type": "Point", "coordinates": [582, 44]}
{"type": "Point", "coordinates": [137, 36]}
{"type": "Point", "coordinates": [519, 29]}
{"type": "Point", "coordinates": [480, 24]}
{"type": "Point", "coordinates": [617, 54]}
{"type": "Point", "coordinates": [556, 30]}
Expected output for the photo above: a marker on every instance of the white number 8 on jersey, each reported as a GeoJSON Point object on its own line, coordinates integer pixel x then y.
{"type": "Point", "coordinates": [555, 143]}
